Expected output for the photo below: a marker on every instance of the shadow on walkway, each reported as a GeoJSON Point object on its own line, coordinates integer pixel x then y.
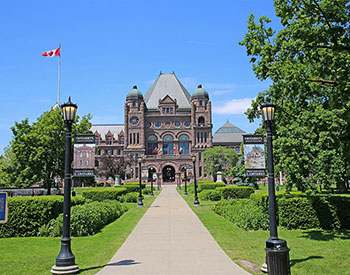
{"type": "Point", "coordinates": [123, 262]}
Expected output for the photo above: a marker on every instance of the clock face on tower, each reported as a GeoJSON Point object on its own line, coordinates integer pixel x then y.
{"type": "Point", "coordinates": [134, 120]}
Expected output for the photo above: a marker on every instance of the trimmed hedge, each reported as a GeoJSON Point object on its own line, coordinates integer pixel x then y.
{"type": "Point", "coordinates": [244, 213]}
{"type": "Point", "coordinates": [314, 212]}
{"type": "Point", "coordinates": [87, 219]}
{"type": "Point", "coordinates": [235, 192]}
{"type": "Point", "coordinates": [209, 185]}
{"type": "Point", "coordinates": [134, 186]}
{"type": "Point", "coordinates": [27, 214]}
{"type": "Point", "coordinates": [262, 199]}
{"type": "Point", "coordinates": [210, 195]}
{"type": "Point", "coordinates": [143, 185]}
{"type": "Point", "coordinates": [104, 193]}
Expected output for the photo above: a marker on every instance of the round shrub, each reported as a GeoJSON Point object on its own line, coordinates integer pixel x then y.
{"type": "Point", "coordinates": [87, 219]}
{"type": "Point", "coordinates": [210, 195]}
{"type": "Point", "coordinates": [130, 197]}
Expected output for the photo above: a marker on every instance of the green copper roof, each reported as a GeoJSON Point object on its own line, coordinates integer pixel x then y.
{"type": "Point", "coordinates": [134, 93]}
{"type": "Point", "coordinates": [229, 128]}
{"type": "Point", "coordinates": [200, 92]}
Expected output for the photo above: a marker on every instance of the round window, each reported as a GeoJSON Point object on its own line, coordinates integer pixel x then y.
{"type": "Point", "coordinates": [148, 125]}
{"type": "Point", "coordinates": [134, 120]}
{"type": "Point", "coordinates": [187, 124]}
{"type": "Point", "coordinates": [177, 124]}
{"type": "Point", "coordinates": [158, 124]}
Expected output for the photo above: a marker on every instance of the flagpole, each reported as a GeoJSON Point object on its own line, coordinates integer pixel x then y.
{"type": "Point", "coordinates": [59, 76]}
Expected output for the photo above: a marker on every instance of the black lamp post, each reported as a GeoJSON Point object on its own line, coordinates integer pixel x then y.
{"type": "Point", "coordinates": [140, 203]}
{"type": "Point", "coordinates": [196, 202]}
{"type": "Point", "coordinates": [152, 173]}
{"type": "Point", "coordinates": [65, 261]}
{"type": "Point", "coordinates": [185, 179]}
{"type": "Point", "coordinates": [277, 252]}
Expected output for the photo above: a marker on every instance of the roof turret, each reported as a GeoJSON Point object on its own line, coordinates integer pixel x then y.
{"type": "Point", "coordinates": [200, 92]}
{"type": "Point", "coordinates": [134, 93]}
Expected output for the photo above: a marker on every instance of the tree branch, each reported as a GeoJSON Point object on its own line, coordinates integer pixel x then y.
{"type": "Point", "coordinates": [322, 81]}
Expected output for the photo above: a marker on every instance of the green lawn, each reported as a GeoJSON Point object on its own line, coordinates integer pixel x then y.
{"type": "Point", "coordinates": [312, 251]}
{"type": "Point", "coordinates": [35, 255]}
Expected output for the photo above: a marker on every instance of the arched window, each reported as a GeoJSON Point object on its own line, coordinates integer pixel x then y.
{"type": "Point", "coordinates": [184, 144]}
{"type": "Point", "coordinates": [168, 145]}
{"type": "Point", "coordinates": [201, 121]}
{"type": "Point", "coordinates": [152, 145]}
{"type": "Point", "coordinates": [168, 137]}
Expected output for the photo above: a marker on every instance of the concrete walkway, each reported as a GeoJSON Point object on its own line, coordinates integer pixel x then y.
{"type": "Point", "coordinates": [171, 240]}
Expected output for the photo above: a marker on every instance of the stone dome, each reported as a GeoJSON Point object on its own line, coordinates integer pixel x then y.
{"type": "Point", "coordinates": [200, 93]}
{"type": "Point", "coordinates": [134, 93]}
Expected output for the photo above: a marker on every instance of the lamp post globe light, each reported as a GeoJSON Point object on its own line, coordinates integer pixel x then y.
{"type": "Point", "coordinates": [277, 252]}
{"type": "Point", "coordinates": [196, 202]}
{"type": "Point", "coordinates": [140, 203]}
{"type": "Point", "coordinates": [65, 261]}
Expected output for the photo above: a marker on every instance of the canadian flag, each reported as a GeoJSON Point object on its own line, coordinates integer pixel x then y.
{"type": "Point", "coordinates": [52, 53]}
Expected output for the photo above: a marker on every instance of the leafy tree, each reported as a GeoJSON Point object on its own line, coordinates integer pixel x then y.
{"type": "Point", "coordinates": [5, 168]}
{"type": "Point", "coordinates": [308, 62]}
{"type": "Point", "coordinates": [219, 158]}
{"type": "Point", "coordinates": [39, 149]}
{"type": "Point", "coordinates": [111, 166]}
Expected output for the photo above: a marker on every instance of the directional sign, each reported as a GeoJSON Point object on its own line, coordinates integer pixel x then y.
{"type": "Point", "coordinates": [3, 207]}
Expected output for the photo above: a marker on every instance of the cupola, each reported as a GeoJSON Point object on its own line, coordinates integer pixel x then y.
{"type": "Point", "coordinates": [134, 93]}
{"type": "Point", "coordinates": [200, 93]}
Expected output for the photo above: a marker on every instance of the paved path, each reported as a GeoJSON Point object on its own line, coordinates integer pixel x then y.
{"type": "Point", "coordinates": [170, 240]}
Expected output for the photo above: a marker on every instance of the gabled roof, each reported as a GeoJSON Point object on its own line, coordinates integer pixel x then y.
{"type": "Point", "coordinates": [228, 134]}
{"type": "Point", "coordinates": [167, 84]}
{"type": "Point", "coordinates": [103, 129]}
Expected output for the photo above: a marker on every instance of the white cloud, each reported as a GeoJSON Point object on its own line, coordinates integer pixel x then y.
{"type": "Point", "coordinates": [234, 106]}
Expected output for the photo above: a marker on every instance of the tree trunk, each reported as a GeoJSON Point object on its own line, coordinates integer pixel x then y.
{"type": "Point", "coordinates": [48, 188]}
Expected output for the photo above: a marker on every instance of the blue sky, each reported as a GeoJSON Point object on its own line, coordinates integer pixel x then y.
{"type": "Point", "coordinates": [108, 46]}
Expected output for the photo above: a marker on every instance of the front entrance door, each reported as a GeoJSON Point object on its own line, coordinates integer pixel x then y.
{"type": "Point", "coordinates": [168, 173]}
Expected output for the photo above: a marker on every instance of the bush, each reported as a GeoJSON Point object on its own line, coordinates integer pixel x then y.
{"type": "Point", "coordinates": [210, 195]}
{"type": "Point", "coordinates": [143, 185]}
{"type": "Point", "coordinates": [130, 197]}
{"type": "Point", "coordinates": [27, 214]}
{"type": "Point", "coordinates": [262, 199]}
{"type": "Point", "coordinates": [104, 193]}
{"type": "Point", "coordinates": [244, 213]}
{"type": "Point", "coordinates": [297, 211]}
{"type": "Point", "coordinates": [211, 185]}
{"type": "Point", "coordinates": [147, 190]}
{"type": "Point", "coordinates": [87, 219]}
{"type": "Point", "coordinates": [235, 192]}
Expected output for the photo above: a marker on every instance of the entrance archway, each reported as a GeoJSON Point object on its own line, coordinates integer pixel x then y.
{"type": "Point", "coordinates": [168, 173]}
